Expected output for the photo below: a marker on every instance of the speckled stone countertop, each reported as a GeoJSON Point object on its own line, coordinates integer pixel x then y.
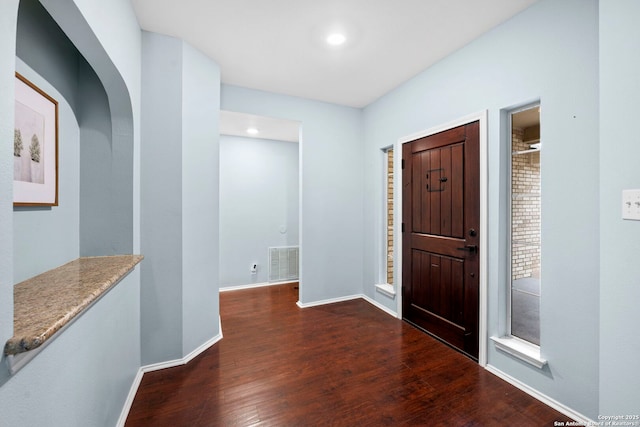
{"type": "Point", "coordinates": [47, 302]}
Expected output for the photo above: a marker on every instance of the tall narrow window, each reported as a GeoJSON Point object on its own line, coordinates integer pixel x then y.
{"type": "Point", "coordinates": [385, 278]}
{"type": "Point", "coordinates": [389, 213]}
{"type": "Point", "coordinates": [526, 147]}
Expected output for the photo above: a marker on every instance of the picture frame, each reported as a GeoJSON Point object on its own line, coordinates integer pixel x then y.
{"type": "Point", "coordinates": [35, 146]}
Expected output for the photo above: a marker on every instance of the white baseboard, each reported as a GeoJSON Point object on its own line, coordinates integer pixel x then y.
{"type": "Point", "coordinates": [327, 301]}
{"type": "Point", "coordinates": [349, 298]}
{"type": "Point", "coordinates": [253, 285]}
{"type": "Point", "coordinates": [570, 413]}
{"type": "Point", "coordinates": [156, 367]}
{"type": "Point", "coordinates": [129, 401]}
{"type": "Point", "coordinates": [179, 362]}
{"type": "Point", "coordinates": [380, 306]}
{"type": "Point", "coordinates": [202, 348]}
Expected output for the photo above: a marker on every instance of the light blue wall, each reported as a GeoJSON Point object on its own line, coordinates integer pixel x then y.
{"type": "Point", "coordinates": [93, 161]}
{"type": "Point", "coordinates": [179, 165]}
{"type": "Point", "coordinates": [200, 205]}
{"type": "Point", "coordinates": [115, 57]}
{"type": "Point", "coordinates": [97, 231]}
{"type": "Point", "coordinates": [258, 196]}
{"type": "Point", "coordinates": [161, 183]}
{"type": "Point", "coordinates": [8, 27]}
{"type": "Point", "coordinates": [548, 52]}
{"type": "Point", "coordinates": [83, 377]}
{"type": "Point", "coordinates": [43, 46]}
{"type": "Point", "coordinates": [106, 213]}
{"type": "Point", "coordinates": [331, 174]}
{"type": "Point", "coordinates": [619, 239]}
{"type": "Point", "coordinates": [45, 238]}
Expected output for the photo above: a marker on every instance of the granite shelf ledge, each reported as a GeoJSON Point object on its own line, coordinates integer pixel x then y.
{"type": "Point", "coordinates": [47, 303]}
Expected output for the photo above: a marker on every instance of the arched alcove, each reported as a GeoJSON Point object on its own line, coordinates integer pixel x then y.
{"type": "Point", "coordinates": [95, 212]}
{"type": "Point", "coordinates": [56, 48]}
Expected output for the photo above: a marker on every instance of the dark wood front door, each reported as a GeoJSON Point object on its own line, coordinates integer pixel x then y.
{"type": "Point", "coordinates": [441, 223]}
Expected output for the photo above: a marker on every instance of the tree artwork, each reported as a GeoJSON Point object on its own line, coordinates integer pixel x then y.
{"type": "Point", "coordinates": [17, 142]}
{"type": "Point", "coordinates": [34, 148]}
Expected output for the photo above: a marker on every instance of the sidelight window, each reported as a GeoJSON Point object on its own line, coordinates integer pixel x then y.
{"type": "Point", "coordinates": [386, 279]}
{"type": "Point", "coordinates": [389, 214]}
{"type": "Point", "coordinates": [525, 204]}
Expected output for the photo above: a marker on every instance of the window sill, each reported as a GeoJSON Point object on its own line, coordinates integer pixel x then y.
{"type": "Point", "coordinates": [521, 349]}
{"type": "Point", "coordinates": [386, 289]}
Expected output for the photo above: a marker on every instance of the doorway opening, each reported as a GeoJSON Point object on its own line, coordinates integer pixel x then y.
{"type": "Point", "coordinates": [259, 201]}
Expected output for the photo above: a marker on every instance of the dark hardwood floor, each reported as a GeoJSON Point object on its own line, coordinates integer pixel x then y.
{"type": "Point", "coordinates": [344, 364]}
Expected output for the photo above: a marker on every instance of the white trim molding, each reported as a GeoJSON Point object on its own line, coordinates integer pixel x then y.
{"type": "Point", "coordinates": [521, 349]}
{"type": "Point", "coordinates": [328, 301]}
{"type": "Point", "coordinates": [379, 306]}
{"type": "Point", "coordinates": [349, 298]}
{"type": "Point", "coordinates": [188, 358]}
{"type": "Point", "coordinates": [480, 117]}
{"type": "Point", "coordinates": [576, 416]}
{"type": "Point", "coordinates": [158, 366]}
{"type": "Point", "coordinates": [130, 397]}
{"type": "Point", "coordinates": [386, 289]}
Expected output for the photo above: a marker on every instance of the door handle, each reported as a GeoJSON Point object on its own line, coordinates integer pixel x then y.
{"type": "Point", "coordinates": [469, 248]}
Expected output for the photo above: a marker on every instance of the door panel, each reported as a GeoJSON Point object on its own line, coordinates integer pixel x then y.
{"type": "Point", "coordinates": [457, 191]}
{"type": "Point", "coordinates": [438, 191]}
{"type": "Point", "coordinates": [441, 217]}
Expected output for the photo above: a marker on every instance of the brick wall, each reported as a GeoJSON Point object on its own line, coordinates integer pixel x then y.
{"type": "Point", "coordinates": [525, 206]}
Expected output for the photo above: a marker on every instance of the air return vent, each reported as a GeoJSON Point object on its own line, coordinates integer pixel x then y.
{"type": "Point", "coordinates": [283, 263]}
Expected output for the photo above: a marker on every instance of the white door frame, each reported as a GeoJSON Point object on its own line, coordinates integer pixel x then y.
{"type": "Point", "coordinates": [481, 117]}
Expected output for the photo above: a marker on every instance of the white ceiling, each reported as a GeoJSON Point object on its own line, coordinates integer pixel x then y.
{"type": "Point", "coordinates": [278, 45]}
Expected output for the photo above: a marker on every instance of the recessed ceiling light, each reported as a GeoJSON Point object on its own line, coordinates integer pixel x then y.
{"type": "Point", "coordinates": [336, 39]}
{"type": "Point", "coordinates": [252, 131]}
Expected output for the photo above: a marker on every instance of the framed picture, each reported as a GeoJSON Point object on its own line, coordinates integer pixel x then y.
{"type": "Point", "coordinates": [35, 146]}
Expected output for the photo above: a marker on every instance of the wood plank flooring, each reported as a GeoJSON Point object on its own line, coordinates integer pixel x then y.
{"type": "Point", "coordinates": [344, 364]}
